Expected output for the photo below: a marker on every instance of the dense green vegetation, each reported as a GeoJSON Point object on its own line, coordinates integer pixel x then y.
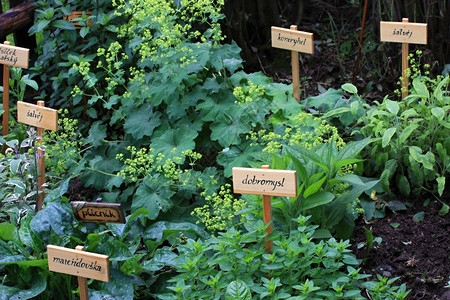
{"type": "Point", "coordinates": [155, 110]}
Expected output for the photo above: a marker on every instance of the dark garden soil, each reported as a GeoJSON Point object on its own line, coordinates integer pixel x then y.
{"type": "Point", "coordinates": [417, 252]}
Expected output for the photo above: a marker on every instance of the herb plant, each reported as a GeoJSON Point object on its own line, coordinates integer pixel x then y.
{"type": "Point", "coordinates": [234, 265]}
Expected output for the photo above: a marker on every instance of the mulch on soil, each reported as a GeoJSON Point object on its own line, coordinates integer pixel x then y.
{"type": "Point", "coordinates": [417, 252]}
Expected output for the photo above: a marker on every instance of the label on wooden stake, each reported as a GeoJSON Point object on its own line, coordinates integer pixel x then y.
{"type": "Point", "coordinates": [98, 212]}
{"type": "Point", "coordinates": [403, 32]}
{"type": "Point", "coordinates": [14, 56]}
{"type": "Point", "coordinates": [265, 182]}
{"type": "Point", "coordinates": [293, 40]}
{"type": "Point", "coordinates": [78, 263]}
{"type": "Point", "coordinates": [38, 116]}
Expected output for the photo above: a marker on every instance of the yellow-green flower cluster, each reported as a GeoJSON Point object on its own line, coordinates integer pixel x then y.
{"type": "Point", "coordinates": [307, 132]}
{"type": "Point", "coordinates": [168, 26]}
{"type": "Point", "coordinates": [143, 162]}
{"type": "Point", "coordinates": [139, 164]}
{"type": "Point", "coordinates": [248, 93]}
{"type": "Point", "coordinates": [64, 145]}
{"type": "Point", "coordinates": [220, 211]}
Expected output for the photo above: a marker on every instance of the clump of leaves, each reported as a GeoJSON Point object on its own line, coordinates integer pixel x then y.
{"type": "Point", "coordinates": [235, 265]}
{"type": "Point", "coordinates": [411, 146]}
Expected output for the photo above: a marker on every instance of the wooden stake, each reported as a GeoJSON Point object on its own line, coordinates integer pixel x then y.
{"type": "Point", "coordinates": [295, 71]}
{"type": "Point", "coordinates": [5, 96]}
{"type": "Point", "coordinates": [267, 211]}
{"type": "Point", "coordinates": [405, 52]}
{"type": "Point", "coordinates": [82, 281]}
{"type": "Point", "coordinates": [41, 163]}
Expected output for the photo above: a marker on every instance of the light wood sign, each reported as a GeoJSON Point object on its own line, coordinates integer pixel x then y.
{"type": "Point", "coordinates": [14, 56]}
{"type": "Point", "coordinates": [98, 212]}
{"type": "Point", "coordinates": [293, 40]}
{"type": "Point", "coordinates": [265, 182]}
{"type": "Point", "coordinates": [38, 116]}
{"type": "Point", "coordinates": [78, 263]}
{"type": "Point", "coordinates": [403, 32]}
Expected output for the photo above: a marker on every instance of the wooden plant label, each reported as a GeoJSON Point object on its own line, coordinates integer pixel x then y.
{"type": "Point", "coordinates": [38, 116]}
{"type": "Point", "coordinates": [293, 40]}
{"type": "Point", "coordinates": [77, 14]}
{"type": "Point", "coordinates": [98, 212]}
{"type": "Point", "coordinates": [403, 32]}
{"type": "Point", "coordinates": [78, 263]}
{"type": "Point", "coordinates": [265, 182]}
{"type": "Point", "coordinates": [14, 56]}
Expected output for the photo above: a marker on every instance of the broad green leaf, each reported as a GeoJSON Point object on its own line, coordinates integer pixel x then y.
{"type": "Point", "coordinates": [317, 199]}
{"type": "Point", "coordinates": [348, 87]}
{"type": "Point", "coordinates": [9, 232]}
{"type": "Point", "coordinates": [240, 156]}
{"type": "Point", "coordinates": [162, 258]}
{"type": "Point", "coordinates": [392, 107]}
{"type": "Point", "coordinates": [97, 133]}
{"type": "Point", "coordinates": [407, 132]}
{"type": "Point", "coordinates": [283, 100]}
{"type": "Point", "coordinates": [325, 101]}
{"type": "Point", "coordinates": [141, 122]}
{"type": "Point", "coordinates": [403, 186]}
{"type": "Point", "coordinates": [322, 234]}
{"type": "Point", "coordinates": [315, 187]}
{"type": "Point", "coordinates": [339, 206]}
{"type": "Point", "coordinates": [441, 185]}
{"type": "Point", "coordinates": [238, 290]}
{"type": "Point", "coordinates": [420, 89]}
{"type": "Point", "coordinates": [227, 129]}
{"type": "Point", "coordinates": [158, 232]}
{"type": "Point", "coordinates": [181, 139]}
{"type": "Point", "coordinates": [64, 24]}
{"type": "Point", "coordinates": [38, 285]}
{"type": "Point", "coordinates": [438, 112]}
{"type": "Point", "coordinates": [387, 136]}
{"type": "Point", "coordinates": [38, 27]}
{"type": "Point", "coordinates": [153, 194]}
{"type": "Point", "coordinates": [120, 286]}
{"type": "Point", "coordinates": [84, 31]}
{"type": "Point", "coordinates": [352, 149]}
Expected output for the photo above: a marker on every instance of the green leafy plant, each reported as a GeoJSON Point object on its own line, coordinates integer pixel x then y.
{"type": "Point", "coordinates": [235, 264]}
{"type": "Point", "coordinates": [19, 175]}
{"type": "Point", "coordinates": [411, 145]}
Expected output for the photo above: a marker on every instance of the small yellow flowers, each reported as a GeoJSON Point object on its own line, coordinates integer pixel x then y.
{"type": "Point", "coordinates": [307, 132]}
{"type": "Point", "coordinates": [220, 212]}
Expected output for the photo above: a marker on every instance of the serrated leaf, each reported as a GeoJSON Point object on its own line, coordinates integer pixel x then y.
{"type": "Point", "coordinates": [387, 136]}
{"type": "Point", "coordinates": [38, 27]}
{"type": "Point", "coordinates": [238, 290]}
{"type": "Point", "coordinates": [64, 24]}
{"type": "Point", "coordinates": [97, 133]}
{"type": "Point", "coordinates": [228, 128]}
{"type": "Point", "coordinates": [154, 195]}
{"type": "Point", "coordinates": [181, 139]}
{"type": "Point", "coordinates": [141, 122]}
